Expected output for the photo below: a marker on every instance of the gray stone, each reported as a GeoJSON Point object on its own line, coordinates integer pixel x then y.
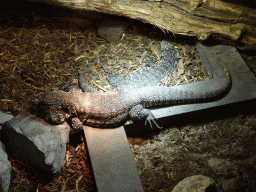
{"type": "Point", "coordinates": [196, 183]}
{"type": "Point", "coordinates": [112, 29]}
{"type": "Point", "coordinates": [5, 165]}
{"type": "Point", "coordinates": [221, 166]}
{"type": "Point", "coordinates": [5, 117]}
{"type": "Point", "coordinates": [35, 141]}
{"type": "Point", "coordinates": [5, 170]}
{"type": "Point", "coordinates": [230, 184]}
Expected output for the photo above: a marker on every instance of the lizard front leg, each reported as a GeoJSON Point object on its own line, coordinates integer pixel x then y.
{"type": "Point", "coordinates": [76, 125]}
{"type": "Point", "coordinates": [138, 113]}
{"type": "Point", "coordinates": [53, 114]}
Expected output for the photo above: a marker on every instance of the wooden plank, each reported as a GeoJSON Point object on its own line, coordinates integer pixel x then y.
{"type": "Point", "coordinates": [112, 161]}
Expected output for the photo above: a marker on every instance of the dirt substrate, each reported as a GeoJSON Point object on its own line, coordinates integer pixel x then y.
{"type": "Point", "coordinates": [39, 51]}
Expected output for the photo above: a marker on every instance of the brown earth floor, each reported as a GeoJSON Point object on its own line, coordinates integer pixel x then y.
{"type": "Point", "coordinates": [42, 46]}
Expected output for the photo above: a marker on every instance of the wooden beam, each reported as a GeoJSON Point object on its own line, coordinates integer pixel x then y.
{"type": "Point", "coordinates": [215, 20]}
{"type": "Point", "coordinates": [112, 161]}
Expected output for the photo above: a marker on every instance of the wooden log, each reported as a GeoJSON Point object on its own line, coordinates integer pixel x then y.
{"type": "Point", "coordinates": [205, 19]}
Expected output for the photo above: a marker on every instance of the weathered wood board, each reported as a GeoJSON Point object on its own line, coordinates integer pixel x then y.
{"type": "Point", "coordinates": [112, 161]}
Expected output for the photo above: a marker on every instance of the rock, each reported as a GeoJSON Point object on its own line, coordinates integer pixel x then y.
{"type": "Point", "coordinates": [35, 141]}
{"type": "Point", "coordinates": [222, 166]}
{"type": "Point", "coordinates": [5, 165]}
{"type": "Point", "coordinates": [5, 117]}
{"type": "Point", "coordinates": [5, 170]}
{"type": "Point", "coordinates": [196, 183]}
{"type": "Point", "coordinates": [230, 184]}
{"type": "Point", "coordinates": [112, 29]}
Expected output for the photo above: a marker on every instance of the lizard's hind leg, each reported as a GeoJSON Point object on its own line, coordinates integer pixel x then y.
{"type": "Point", "coordinates": [82, 73]}
{"type": "Point", "coordinates": [82, 83]}
{"type": "Point", "coordinates": [138, 114]}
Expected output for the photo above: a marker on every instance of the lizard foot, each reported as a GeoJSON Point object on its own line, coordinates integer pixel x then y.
{"type": "Point", "coordinates": [76, 125]}
{"type": "Point", "coordinates": [151, 120]}
{"type": "Point", "coordinates": [138, 114]}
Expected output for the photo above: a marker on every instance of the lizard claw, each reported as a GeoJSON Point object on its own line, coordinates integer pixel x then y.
{"type": "Point", "coordinates": [151, 120]}
{"type": "Point", "coordinates": [138, 113]}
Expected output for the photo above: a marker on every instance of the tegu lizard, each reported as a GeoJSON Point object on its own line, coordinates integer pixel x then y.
{"type": "Point", "coordinates": [113, 109]}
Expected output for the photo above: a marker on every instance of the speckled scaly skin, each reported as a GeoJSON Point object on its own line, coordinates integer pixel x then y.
{"type": "Point", "coordinates": [113, 109]}
{"type": "Point", "coordinates": [94, 109]}
{"type": "Point", "coordinates": [150, 76]}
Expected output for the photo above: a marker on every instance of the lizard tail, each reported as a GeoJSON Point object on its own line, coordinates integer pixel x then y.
{"type": "Point", "coordinates": [203, 91]}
